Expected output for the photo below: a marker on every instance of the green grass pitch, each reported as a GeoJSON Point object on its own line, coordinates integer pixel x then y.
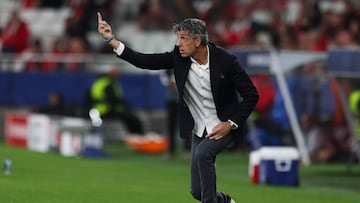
{"type": "Point", "coordinates": [127, 176]}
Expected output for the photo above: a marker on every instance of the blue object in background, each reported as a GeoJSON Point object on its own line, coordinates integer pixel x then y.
{"type": "Point", "coordinates": [341, 60]}
{"type": "Point", "coordinates": [265, 138]}
{"type": "Point", "coordinates": [142, 91]}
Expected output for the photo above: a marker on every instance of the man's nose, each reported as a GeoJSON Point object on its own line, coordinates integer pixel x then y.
{"type": "Point", "coordinates": [178, 42]}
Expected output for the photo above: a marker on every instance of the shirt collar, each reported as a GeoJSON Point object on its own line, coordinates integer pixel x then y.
{"type": "Point", "coordinates": [203, 66]}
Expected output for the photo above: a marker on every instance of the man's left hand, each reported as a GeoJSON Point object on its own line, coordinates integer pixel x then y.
{"type": "Point", "coordinates": [219, 131]}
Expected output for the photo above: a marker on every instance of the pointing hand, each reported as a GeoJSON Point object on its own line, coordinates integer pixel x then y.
{"type": "Point", "coordinates": [103, 27]}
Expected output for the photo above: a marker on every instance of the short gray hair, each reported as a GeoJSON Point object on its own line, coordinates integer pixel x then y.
{"type": "Point", "coordinates": [196, 28]}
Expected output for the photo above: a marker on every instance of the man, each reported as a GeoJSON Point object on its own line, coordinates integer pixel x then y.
{"type": "Point", "coordinates": [208, 80]}
{"type": "Point", "coordinates": [354, 104]}
{"type": "Point", "coordinates": [106, 96]}
{"type": "Point", "coordinates": [55, 105]}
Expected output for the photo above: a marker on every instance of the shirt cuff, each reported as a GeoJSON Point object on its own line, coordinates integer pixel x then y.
{"type": "Point", "coordinates": [233, 125]}
{"type": "Point", "coordinates": [120, 49]}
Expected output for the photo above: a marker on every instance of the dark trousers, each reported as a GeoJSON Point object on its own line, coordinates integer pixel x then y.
{"type": "Point", "coordinates": [203, 175]}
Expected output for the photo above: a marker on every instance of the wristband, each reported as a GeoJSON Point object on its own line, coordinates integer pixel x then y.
{"type": "Point", "coordinates": [109, 39]}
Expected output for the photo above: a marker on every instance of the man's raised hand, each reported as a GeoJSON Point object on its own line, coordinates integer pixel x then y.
{"type": "Point", "coordinates": [103, 27]}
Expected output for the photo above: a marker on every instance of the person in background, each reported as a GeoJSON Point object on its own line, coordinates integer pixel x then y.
{"type": "Point", "coordinates": [153, 16]}
{"type": "Point", "coordinates": [16, 35]}
{"type": "Point", "coordinates": [354, 104]}
{"type": "Point", "coordinates": [56, 52]}
{"type": "Point", "coordinates": [55, 105]}
{"type": "Point", "coordinates": [32, 56]}
{"type": "Point", "coordinates": [106, 95]}
{"type": "Point", "coordinates": [77, 52]}
{"type": "Point", "coordinates": [316, 107]}
{"type": "Point", "coordinates": [210, 112]}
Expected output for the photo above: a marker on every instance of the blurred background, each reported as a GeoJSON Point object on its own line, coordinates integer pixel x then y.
{"type": "Point", "coordinates": [303, 56]}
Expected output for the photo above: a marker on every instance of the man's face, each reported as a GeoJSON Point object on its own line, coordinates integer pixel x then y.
{"type": "Point", "coordinates": [187, 44]}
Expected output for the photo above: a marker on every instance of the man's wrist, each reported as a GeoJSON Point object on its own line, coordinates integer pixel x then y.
{"type": "Point", "coordinates": [119, 49]}
{"type": "Point", "coordinates": [107, 40]}
{"type": "Point", "coordinates": [233, 125]}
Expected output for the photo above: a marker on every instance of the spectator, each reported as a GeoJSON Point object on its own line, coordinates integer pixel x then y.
{"type": "Point", "coordinates": [214, 13]}
{"type": "Point", "coordinates": [29, 4]}
{"type": "Point", "coordinates": [287, 38]}
{"type": "Point", "coordinates": [354, 29]}
{"type": "Point", "coordinates": [305, 25]}
{"type": "Point", "coordinates": [55, 105]}
{"type": "Point", "coordinates": [16, 34]}
{"type": "Point", "coordinates": [239, 25]}
{"type": "Point", "coordinates": [76, 52]}
{"type": "Point", "coordinates": [181, 9]}
{"type": "Point", "coordinates": [57, 51]}
{"type": "Point", "coordinates": [344, 40]}
{"type": "Point", "coordinates": [32, 56]}
{"type": "Point", "coordinates": [263, 29]}
{"type": "Point", "coordinates": [317, 110]}
{"type": "Point", "coordinates": [341, 134]}
{"type": "Point", "coordinates": [153, 17]}
{"type": "Point", "coordinates": [107, 97]}
{"type": "Point", "coordinates": [267, 132]}
{"type": "Point", "coordinates": [310, 39]}
{"type": "Point", "coordinates": [78, 24]}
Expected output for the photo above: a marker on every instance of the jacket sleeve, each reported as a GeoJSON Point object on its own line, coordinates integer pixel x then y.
{"type": "Point", "coordinates": [148, 61]}
{"type": "Point", "coordinates": [247, 92]}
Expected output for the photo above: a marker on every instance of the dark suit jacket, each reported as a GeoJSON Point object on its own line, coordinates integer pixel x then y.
{"type": "Point", "coordinates": [228, 81]}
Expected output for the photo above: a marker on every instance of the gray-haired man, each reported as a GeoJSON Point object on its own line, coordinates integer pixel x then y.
{"type": "Point", "coordinates": [208, 80]}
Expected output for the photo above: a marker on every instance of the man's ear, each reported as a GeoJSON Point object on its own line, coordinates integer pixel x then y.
{"type": "Point", "coordinates": [197, 42]}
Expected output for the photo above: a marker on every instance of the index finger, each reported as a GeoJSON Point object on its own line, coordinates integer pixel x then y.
{"type": "Point", "coordinates": [209, 135]}
{"type": "Point", "coordinates": [99, 16]}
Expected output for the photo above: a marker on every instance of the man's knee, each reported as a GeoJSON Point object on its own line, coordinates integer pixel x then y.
{"type": "Point", "coordinates": [203, 155]}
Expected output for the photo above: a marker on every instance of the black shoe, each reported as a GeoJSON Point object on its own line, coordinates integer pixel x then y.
{"type": "Point", "coordinates": [229, 199]}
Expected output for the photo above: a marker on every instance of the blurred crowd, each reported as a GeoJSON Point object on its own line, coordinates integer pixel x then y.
{"type": "Point", "coordinates": [311, 25]}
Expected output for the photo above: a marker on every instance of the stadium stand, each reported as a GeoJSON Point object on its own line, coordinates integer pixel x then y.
{"type": "Point", "coordinates": [241, 26]}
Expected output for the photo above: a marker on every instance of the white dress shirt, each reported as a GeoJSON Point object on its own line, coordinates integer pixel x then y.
{"type": "Point", "coordinates": [198, 96]}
